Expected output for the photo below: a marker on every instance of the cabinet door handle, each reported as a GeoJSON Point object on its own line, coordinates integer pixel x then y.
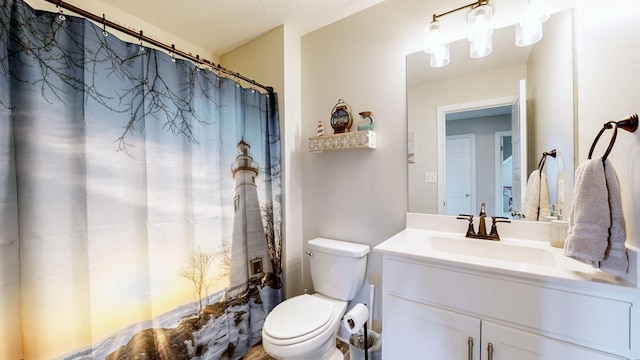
{"type": "Point", "coordinates": [490, 351]}
{"type": "Point", "coordinates": [470, 344]}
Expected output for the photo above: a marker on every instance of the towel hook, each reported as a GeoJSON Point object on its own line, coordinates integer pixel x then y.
{"type": "Point", "coordinates": [630, 124]}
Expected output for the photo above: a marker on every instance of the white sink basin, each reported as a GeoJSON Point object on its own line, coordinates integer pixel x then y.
{"type": "Point", "coordinates": [488, 249]}
{"type": "Point", "coordinates": [523, 251]}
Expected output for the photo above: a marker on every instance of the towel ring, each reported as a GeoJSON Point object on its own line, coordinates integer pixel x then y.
{"type": "Point", "coordinates": [551, 153]}
{"type": "Point", "coordinates": [629, 123]}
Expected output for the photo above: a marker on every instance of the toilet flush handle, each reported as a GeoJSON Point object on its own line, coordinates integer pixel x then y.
{"type": "Point", "coordinates": [310, 253]}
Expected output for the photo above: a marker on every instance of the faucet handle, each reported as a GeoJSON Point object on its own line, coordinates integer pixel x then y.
{"type": "Point", "coordinates": [494, 228]}
{"type": "Point", "coordinates": [465, 217]}
{"type": "Point", "coordinates": [497, 219]}
{"type": "Point", "coordinates": [470, 229]}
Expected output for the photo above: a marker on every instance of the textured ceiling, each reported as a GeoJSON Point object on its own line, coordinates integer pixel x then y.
{"type": "Point", "coordinates": [222, 25]}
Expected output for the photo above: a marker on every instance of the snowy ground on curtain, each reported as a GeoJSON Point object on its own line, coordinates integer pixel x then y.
{"type": "Point", "coordinates": [221, 332]}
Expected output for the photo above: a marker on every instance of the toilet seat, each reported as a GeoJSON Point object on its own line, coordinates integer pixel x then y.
{"type": "Point", "coordinates": [299, 319]}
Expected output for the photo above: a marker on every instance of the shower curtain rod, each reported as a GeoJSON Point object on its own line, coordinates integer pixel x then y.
{"type": "Point", "coordinates": [171, 48]}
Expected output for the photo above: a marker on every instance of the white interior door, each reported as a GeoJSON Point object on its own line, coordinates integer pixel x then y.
{"type": "Point", "coordinates": [519, 142]}
{"type": "Point", "coordinates": [460, 176]}
{"type": "Point", "coordinates": [504, 173]}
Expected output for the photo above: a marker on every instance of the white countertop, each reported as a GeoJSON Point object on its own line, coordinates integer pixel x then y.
{"type": "Point", "coordinates": [531, 259]}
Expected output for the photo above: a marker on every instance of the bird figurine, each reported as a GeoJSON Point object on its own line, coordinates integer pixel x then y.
{"type": "Point", "coordinates": [372, 121]}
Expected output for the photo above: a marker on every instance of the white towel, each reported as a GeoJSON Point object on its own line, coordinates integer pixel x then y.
{"type": "Point", "coordinates": [537, 203]}
{"type": "Point", "coordinates": [545, 198]}
{"type": "Point", "coordinates": [590, 216]}
{"type": "Point", "coordinates": [615, 260]}
{"type": "Point", "coordinates": [593, 237]}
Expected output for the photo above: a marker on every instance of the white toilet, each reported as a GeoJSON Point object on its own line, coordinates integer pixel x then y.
{"type": "Point", "coordinates": [305, 326]}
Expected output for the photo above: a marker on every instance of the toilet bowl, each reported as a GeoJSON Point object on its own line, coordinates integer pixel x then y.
{"type": "Point", "coordinates": [304, 327]}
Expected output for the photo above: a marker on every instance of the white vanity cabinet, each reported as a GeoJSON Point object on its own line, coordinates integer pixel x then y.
{"type": "Point", "coordinates": [505, 343]}
{"type": "Point", "coordinates": [414, 330]}
{"type": "Point", "coordinates": [443, 311]}
{"type": "Point", "coordinates": [419, 331]}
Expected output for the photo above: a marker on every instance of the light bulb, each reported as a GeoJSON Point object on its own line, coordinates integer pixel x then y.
{"type": "Point", "coordinates": [435, 38]}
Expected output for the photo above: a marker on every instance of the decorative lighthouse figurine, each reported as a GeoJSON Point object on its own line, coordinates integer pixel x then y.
{"type": "Point", "coordinates": [320, 129]}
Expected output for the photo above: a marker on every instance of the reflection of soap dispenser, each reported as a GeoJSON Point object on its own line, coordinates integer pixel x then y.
{"type": "Point", "coordinates": [560, 210]}
{"type": "Point", "coordinates": [559, 229]}
{"type": "Point", "coordinates": [553, 215]}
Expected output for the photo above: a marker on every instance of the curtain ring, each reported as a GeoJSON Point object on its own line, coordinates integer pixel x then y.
{"type": "Point", "coordinates": [61, 15]}
{"type": "Point", "coordinates": [140, 39]}
{"type": "Point", "coordinates": [104, 26]}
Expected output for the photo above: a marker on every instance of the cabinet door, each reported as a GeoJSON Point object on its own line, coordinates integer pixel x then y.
{"type": "Point", "coordinates": [512, 344]}
{"type": "Point", "coordinates": [413, 330]}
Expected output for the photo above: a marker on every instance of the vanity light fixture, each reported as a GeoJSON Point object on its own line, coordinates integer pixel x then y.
{"type": "Point", "coordinates": [480, 34]}
{"type": "Point", "coordinates": [480, 30]}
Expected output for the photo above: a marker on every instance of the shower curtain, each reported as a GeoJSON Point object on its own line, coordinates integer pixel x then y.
{"type": "Point", "coordinates": [140, 211]}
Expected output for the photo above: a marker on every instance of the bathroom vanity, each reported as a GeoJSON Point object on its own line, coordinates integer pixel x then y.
{"type": "Point", "coordinates": [454, 298]}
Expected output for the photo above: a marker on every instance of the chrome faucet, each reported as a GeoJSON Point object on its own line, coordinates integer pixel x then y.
{"type": "Point", "coordinates": [482, 228]}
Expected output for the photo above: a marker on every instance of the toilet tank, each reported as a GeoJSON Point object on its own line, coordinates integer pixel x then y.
{"type": "Point", "coordinates": [337, 267]}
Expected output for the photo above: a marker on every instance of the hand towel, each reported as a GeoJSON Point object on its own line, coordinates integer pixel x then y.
{"type": "Point", "coordinates": [615, 260]}
{"type": "Point", "coordinates": [544, 205]}
{"type": "Point", "coordinates": [590, 215]}
{"type": "Point", "coordinates": [532, 196]}
{"type": "Point", "coordinates": [537, 203]}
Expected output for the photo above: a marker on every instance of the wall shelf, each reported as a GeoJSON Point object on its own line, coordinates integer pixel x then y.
{"type": "Point", "coordinates": [351, 140]}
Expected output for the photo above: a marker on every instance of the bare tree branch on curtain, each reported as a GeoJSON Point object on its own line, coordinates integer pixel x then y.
{"type": "Point", "coordinates": [197, 271]}
{"type": "Point", "coordinates": [149, 94]}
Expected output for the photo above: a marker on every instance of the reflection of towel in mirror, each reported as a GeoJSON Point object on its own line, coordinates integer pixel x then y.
{"type": "Point", "coordinates": [596, 233]}
{"type": "Point", "coordinates": [537, 202]}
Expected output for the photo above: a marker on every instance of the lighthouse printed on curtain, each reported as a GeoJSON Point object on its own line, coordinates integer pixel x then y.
{"type": "Point", "coordinates": [249, 251]}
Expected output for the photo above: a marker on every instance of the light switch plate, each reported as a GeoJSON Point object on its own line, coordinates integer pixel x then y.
{"type": "Point", "coordinates": [430, 177]}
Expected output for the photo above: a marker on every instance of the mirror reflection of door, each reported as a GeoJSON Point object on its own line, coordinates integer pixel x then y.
{"type": "Point", "coordinates": [519, 142]}
{"type": "Point", "coordinates": [504, 173]}
{"type": "Point", "coordinates": [483, 125]}
{"type": "Point", "coordinates": [461, 182]}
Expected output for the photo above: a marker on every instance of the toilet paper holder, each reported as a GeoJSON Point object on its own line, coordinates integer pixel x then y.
{"type": "Point", "coordinates": [356, 319]}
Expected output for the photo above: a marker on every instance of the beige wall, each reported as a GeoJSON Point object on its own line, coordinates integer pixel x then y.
{"type": "Point", "coordinates": [357, 195]}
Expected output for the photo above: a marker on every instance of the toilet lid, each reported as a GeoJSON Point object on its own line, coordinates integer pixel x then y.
{"type": "Point", "coordinates": [298, 316]}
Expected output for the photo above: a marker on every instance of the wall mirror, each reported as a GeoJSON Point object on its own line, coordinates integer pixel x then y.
{"type": "Point", "coordinates": [478, 127]}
